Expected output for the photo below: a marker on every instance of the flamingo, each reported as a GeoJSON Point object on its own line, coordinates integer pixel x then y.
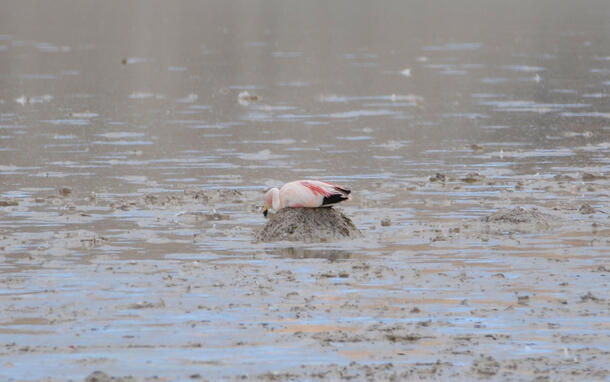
{"type": "Point", "coordinates": [305, 193]}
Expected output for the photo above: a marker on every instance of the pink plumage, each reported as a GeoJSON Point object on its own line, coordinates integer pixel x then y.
{"type": "Point", "coordinates": [305, 193]}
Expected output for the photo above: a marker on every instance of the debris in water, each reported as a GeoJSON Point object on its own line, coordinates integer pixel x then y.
{"type": "Point", "coordinates": [587, 177]}
{"type": "Point", "coordinates": [590, 297]}
{"type": "Point", "coordinates": [438, 177]}
{"type": "Point", "coordinates": [215, 216]}
{"type": "Point", "coordinates": [586, 209]}
{"type": "Point", "coordinates": [472, 178]}
{"type": "Point", "coordinates": [146, 305]}
{"type": "Point", "coordinates": [410, 337]}
{"type": "Point", "coordinates": [560, 178]}
{"type": "Point", "coordinates": [64, 191]}
{"type": "Point", "coordinates": [244, 98]}
{"type": "Point", "coordinates": [133, 60]}
{"type": "Point", "coordinates": [602, 268]}
{"type": "Point", "coordinates": [23, 100]}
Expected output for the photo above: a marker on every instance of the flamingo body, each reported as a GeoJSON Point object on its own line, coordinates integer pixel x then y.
{"type": "Point", "coordinates": [305, 193]}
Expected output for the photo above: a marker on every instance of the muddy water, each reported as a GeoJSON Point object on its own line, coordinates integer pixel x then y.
{"type": "Point", "coordinates": [136, 141]}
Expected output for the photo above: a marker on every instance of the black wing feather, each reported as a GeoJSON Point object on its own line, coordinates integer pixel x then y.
{"type": "Point", "coordinates": [333, 199]}
{"type": "Point", "coordinates": [344, 190]}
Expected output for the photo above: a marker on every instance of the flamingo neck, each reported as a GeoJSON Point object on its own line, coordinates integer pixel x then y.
{"type": "Point", "coordinates": [275, 199]}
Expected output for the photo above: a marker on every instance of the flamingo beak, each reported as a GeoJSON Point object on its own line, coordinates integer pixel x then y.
{"type": "Point", "coordinates": [265, 210]}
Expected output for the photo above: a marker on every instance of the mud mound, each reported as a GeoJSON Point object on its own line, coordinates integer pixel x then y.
{"type": "Point", "coordinates": [100, 376]}
{"type": "Point", "coordinates": [518, 215]}
{"type": "Point", "coordinates": [485, 366]}
{"type": "Point", "coordinates": [520, 219]}
{"type": "Point", "coordinates": [309, 225]}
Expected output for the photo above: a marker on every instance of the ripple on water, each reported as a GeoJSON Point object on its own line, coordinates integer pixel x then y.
{"type": "Point", "coordinates": [362, 113]}
{"type": "Point", "coordinates": [283, 54]}
{"type": "Point", "coordinates": [593, 114]}
{"type": "Point", "coordinates": [146, 96]}
{"type": "Point", "coordinates": [190, 98]}
{"type": "Point", "coordinates": [286, 141]}
{"type": "Point", "coordinates": [539, 153]}
{"type": "Point", "coordinates": [68, 122]}
{"type": "Point", "coordinates": [595, 95]}
{"type": "Point", "coordinates": [83, 115]}
{"type": "Point", "coordinates": [123, 143]}
{"type": "Point", "coordinates": [465, 115]}
{"type": "Point", "coordinates": [531, 106]}
{"type": "Point", "coordinates": [494, 80]}
{"type": "Point", "coordinates": [524, 68]}
{"type": "Point", "coordinates": [355, 138]}
{"type": "Point", "coordinates": [262, 155]}
{"type": "Point", "coordinates": [454, 47]}
{"type": "Point", "coordinates": [135, 179]}
{"type": "Point", "coordinates": [121, 134]}
{"type": "Point", "coordinates": [332, 98]}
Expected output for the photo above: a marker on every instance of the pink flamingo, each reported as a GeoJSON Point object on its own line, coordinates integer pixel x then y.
{"type": "Point", "coordinates": [305, 193]}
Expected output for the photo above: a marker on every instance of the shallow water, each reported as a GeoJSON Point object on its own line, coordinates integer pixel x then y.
{"type": "Point", "coordinates": [136, 141]}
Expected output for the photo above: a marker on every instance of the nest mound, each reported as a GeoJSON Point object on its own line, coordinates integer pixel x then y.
{"type": "Point", "coordinates": [521, 219]}
{"type": "Point", "coordinates": [309, 225]}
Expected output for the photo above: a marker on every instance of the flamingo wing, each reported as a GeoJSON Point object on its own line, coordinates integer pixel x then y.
{"type": "Point", "coordinates": [338, 188]}
{"type": "Point", "coordinates": [328, 193]}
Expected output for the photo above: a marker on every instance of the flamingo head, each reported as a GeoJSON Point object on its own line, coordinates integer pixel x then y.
{"type": "Point", "coordinates": [272, 199]}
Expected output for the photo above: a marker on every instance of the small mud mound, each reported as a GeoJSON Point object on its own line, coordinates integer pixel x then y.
{"type": "Point", "coordinates": [100, 376]}
{"type": "Point", "coordinates": [308, 225]}
{"type": "Point", "coordinates": [520, 219]}
{"type": "Point", "coordinates": [518, 215]}
{"type": "Point", "coordinates": [485, 366]}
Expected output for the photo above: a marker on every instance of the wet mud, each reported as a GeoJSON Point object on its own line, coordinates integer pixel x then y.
{"type": "Point", "coordinates": [137, 140]}
{"type": "Point", "coordinates": [417, 299]}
